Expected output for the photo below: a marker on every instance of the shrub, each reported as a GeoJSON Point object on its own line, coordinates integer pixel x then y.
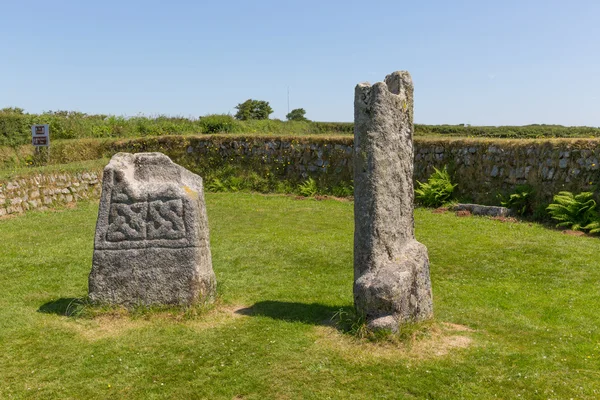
{"type": "Point", "coordinates": [333, 127]}
{"type": "Point", "coordinates": [13, 110]}
{"type": "Point", "coordinates": [296, 115]}
{"type": "Point", "coordinates": [437, 190]}
{"type": "Point", "coordinates": [253, 109]}
{"type": "Point", "coordinates": [576, 212]}
{"type": "Point", "coordinates": [15, 129]}
{"type": "Point", "coordinates": [526, 131]}
{"type": "Point", "coordinates": [521, 201]}
{"type": "Point", "coordinates": [216, 123]}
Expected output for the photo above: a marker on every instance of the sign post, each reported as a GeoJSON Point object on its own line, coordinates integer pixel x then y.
{"type": "Point", "coordinates": [40, 137]}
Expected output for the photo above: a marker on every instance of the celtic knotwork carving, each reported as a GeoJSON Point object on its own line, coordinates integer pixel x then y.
{"type": "Point", "coordinates": [121, 192]}
{"type": "Point", "coordinates": [127, 222]}
{"type": "Point", "coordinates": [165, 220]}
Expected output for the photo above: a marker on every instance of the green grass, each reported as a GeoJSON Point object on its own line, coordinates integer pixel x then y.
{"type": "Point", "coordinates": [15, 127]}
{"type": "Point", "coordinates": [80, 166]}
{"type": "Point", "coordinates": [529, 294]}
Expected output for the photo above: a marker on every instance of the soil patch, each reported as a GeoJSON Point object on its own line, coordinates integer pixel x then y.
{"type": "Point", "coordinates": [573, 233]}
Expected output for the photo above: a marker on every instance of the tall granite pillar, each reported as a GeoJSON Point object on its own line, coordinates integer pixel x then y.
{"type": "Point", "coordinates": [391, 269]}
{"type": "Point", "coordinates": [152, 245]}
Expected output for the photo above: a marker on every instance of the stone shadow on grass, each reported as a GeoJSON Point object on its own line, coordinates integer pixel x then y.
{"type": "Point", "coordinates": [65, 306]}
{"type": "Point", "coordinates": [314, 313]}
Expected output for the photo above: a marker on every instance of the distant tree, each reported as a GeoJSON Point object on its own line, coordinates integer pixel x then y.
{"type": "Point", "coordinates": [253, 109]}
{"type": "Point", "coordinates": [296, 115]}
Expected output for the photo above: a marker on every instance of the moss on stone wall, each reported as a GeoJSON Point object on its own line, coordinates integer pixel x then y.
{"type": "Point", "coordinates": [293, 160]}
{"type": "Point", "coordinates": [483, 168]}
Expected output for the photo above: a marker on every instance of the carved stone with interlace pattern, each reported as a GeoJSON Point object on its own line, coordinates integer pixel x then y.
{"type": "Point", "coordinates": [152, 244]}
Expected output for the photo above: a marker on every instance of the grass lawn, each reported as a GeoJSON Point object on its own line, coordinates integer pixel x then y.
{"type": "Point", "coordinates": [517, 313]}
{"type": "Point", "coordinates": [81, 166]}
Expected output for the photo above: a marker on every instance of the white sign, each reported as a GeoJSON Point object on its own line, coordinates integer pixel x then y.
{"type": "Point", "coordinates": [40, 135]}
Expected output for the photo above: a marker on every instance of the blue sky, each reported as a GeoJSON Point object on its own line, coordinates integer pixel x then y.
{"type": "Point", "coordinates": [479, 62]}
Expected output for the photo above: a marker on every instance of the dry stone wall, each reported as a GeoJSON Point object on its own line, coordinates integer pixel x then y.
{"type": "Point", "coordinates": [288, 158]}
{"type": "Point", "coordinates": [46, 190]}
{"type": "Point", "coordinates": [482, 168]}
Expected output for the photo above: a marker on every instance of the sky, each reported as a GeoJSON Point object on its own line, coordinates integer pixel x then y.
{"type": "Point", "coordinates": [479, 62]}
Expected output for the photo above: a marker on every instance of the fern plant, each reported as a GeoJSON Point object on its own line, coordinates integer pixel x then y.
{"type": "Point", "coordinates": [577, 212]}
{"type": "Point", "coordinates": [308, 188]}
{"type": "Point", "coordinates": [234, 184]}
{"type": "Point", "coordinates": [594, 227]}
{"type": "Point", "coordinates": [216, 185]}
{"type": "Point", "coordinates": [521, 201]}
{"type": "Point", "coordinates": [343, 189]}
{"type": "Point", "coordinates": [437, 190]}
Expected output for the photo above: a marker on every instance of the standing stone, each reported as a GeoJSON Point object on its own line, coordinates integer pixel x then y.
{"type": "Point", "coordinates": [151, 245]}
{"type": "Point", "coordinates": [391, 269]}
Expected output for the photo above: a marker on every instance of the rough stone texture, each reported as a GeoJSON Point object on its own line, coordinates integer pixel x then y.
{"type": "Point", "coordinates": [490, 211]}
{"type": "Point", "coordinates": [483, 168]}
{"type": "Point", "coordinates": [42, 190]}
{"type": "Point", "coordinates": [151, 245]}
{"type": "Point", "coordinates": [391, 269]}
{"type": "Point", "coordinates": [499, 166]}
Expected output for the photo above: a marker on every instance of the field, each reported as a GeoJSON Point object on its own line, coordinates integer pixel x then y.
{"type": "Point", "coordinates": [515, 305]}
{"type": "Point", "coordinates": [15, 127]}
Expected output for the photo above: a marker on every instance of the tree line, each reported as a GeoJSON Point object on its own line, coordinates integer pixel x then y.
{"type": "Point", "coordinates": [260, 109]}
